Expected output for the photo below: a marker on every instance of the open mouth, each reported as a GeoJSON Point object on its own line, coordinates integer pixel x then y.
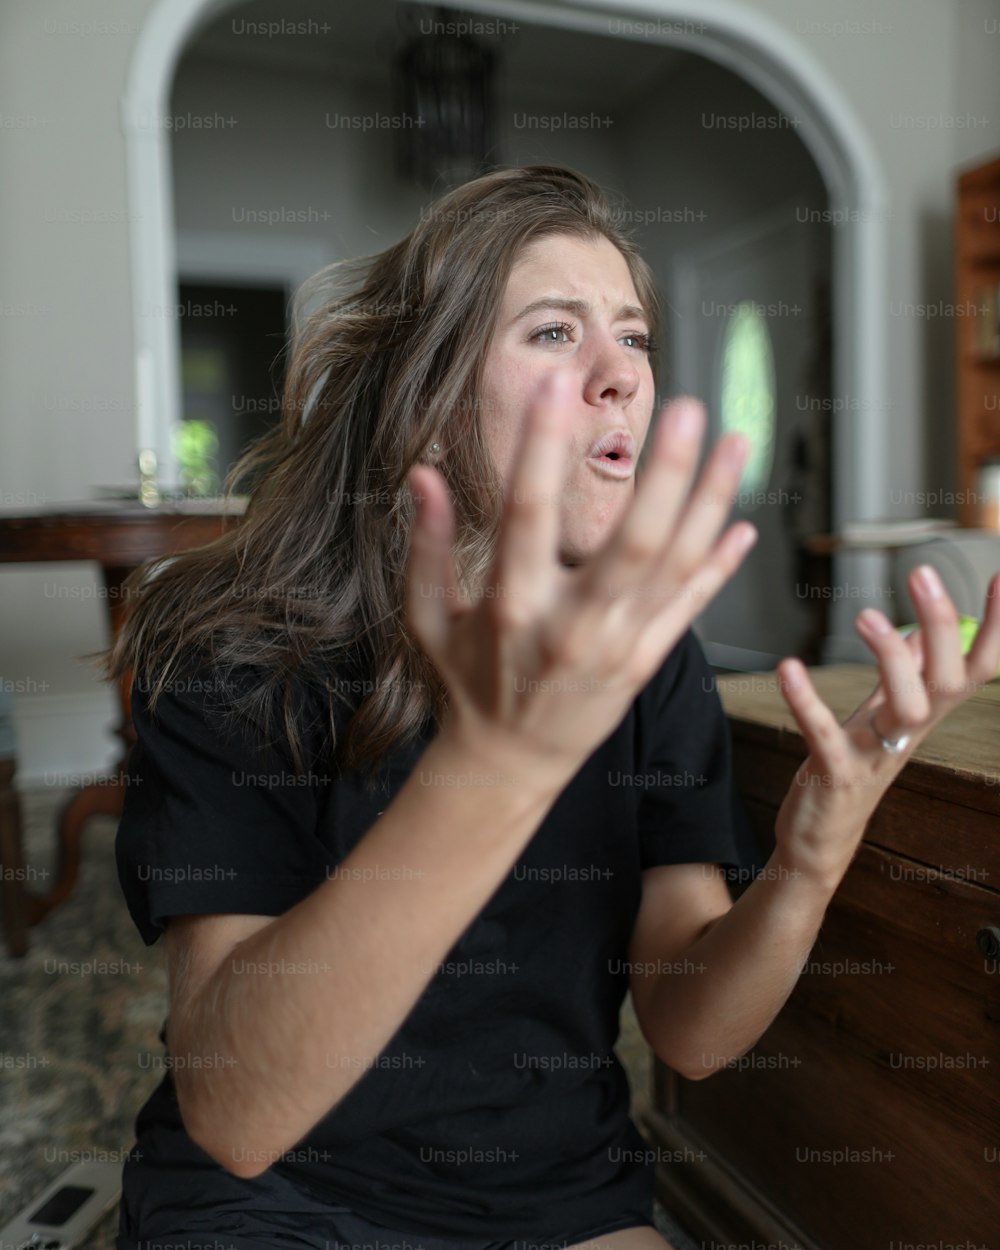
{"type": "Point", "coordinates": [613, 464]}
{"type": "Point", "coordinates": [613, 453]}
{"type": "Point", "coordinates": [613, 456]}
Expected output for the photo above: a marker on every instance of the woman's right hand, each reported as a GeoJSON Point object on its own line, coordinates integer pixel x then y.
{"type": "Point", "coordinates": [543, 662]}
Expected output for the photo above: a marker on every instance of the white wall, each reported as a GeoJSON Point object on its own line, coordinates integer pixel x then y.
{"type": "Point", "coordinates": [65, 332]}
{"type": "Point", "coordinates": [332, 181]}
{"type": "Point", "coordinates": [66, 404]}
{"type": "Point", "coordinates": [915, 74]}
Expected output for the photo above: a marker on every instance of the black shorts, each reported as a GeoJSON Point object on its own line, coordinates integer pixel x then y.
{"type": "Point", "coordinates": [343, 1229]}
{"type": "Point", "coordinates": [217, 1211]}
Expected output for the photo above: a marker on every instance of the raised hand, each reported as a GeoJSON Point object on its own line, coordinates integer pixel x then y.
{"type": "Point", "coordinates": [544, 661]}
{"type": "Point", "coordinates": [851, 765]}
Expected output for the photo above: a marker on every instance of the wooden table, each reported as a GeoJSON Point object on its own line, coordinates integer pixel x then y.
{"type": "Point", "coordinates": [119, 536]}
{"type": "Point", "coordinates": [868, 1114]}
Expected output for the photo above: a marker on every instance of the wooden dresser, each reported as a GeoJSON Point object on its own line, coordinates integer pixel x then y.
{"type": "Point", "coordinates": [867, 1117]}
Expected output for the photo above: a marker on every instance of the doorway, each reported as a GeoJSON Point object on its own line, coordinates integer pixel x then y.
{"type": "Point", "coordinates": [762, 51]}
{"type": "Point", "coordinates": [751, 340]}
{"type": "Point", "coordinates": [232, 375]}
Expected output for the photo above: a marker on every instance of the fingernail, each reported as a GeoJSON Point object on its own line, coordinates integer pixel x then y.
{"type": "Point", "coordinates": [735, 450]}
{"type": "Point", "coordinates": [875, 621]}
{"type": "Point", "coordinates": [747, 538]}
{"type": "Point", "coordinates": [792, 676]}
{"type": "Point", "coordinates": [930, 581]}
{"type": "Point", "coordinates": [687, 424]}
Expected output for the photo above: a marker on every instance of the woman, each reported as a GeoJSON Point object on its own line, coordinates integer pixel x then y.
{"type": "Point", "coordinates": [431, 780]}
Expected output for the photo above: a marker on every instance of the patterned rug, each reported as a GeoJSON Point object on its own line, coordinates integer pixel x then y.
{"type": "Point", "coordinates": [81, 1014]}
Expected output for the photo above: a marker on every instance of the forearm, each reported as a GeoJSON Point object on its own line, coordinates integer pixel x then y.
{"type": "Point", "coordinates": [351, 959]}
{"type": "Point", "coordinates": [735, 978]}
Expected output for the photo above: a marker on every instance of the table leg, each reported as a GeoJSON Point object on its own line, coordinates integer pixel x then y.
{"type": "Point", "coordinates": [101, 798]}
{"type": "Point", "coordinates": [12, 891]}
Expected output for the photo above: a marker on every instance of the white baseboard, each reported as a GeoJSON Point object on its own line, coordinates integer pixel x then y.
{"type": "Point", "coordinates": [63, 741]}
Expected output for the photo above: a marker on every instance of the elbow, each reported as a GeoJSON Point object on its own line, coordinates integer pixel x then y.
{"type": "Point", "coordinates": [698, 1074]}
{"type": "Point", "coordinates": [708, 1066]}
{"type": "Point", "coordinates": [245, 1170]}
{"type": "Point", "coordinates": [231, 1152]}
{"type": "Point", "coordinates": [675, 1052]}
{"type": "Point", "coordinates": [239, 1163]}
{"type": "Point", "coordinates": [693, 1067]}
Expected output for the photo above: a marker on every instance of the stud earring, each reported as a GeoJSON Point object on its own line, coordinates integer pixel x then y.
{"type": "Point", "coordinates": [435, 447]}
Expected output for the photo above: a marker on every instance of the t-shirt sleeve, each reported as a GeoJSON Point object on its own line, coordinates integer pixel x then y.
{"type": "Point", "coordinates": [689, 811]}
{"type": "Point", "coordinates": [214, 819]}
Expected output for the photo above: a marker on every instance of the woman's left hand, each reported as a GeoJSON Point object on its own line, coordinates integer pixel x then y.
{"type": "Point", "coordinates": [850, 766]}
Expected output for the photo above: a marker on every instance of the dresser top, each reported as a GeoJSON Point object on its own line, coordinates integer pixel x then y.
{"type": "Point", "coordinates": [966, 743]}
{"type": "Point", "coordinates": [944, 806]}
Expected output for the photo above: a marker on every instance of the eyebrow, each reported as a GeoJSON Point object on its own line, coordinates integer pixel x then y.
{"type": "Point", "coordinates": [579, 307]}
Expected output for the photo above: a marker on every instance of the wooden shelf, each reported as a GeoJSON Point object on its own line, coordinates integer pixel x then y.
{"type": "Point", "coordinates": [977, 268]}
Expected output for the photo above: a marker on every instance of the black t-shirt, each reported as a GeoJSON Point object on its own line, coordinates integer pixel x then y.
{"type": "Point", "coordinates": [498, 1106]}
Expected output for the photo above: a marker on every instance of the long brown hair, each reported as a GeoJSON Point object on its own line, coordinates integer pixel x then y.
{"type": "Point", "coordinates": [312, 578]}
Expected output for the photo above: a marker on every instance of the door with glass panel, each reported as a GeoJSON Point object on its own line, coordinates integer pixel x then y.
{"type": "Point", "coordinates": [752, 339]}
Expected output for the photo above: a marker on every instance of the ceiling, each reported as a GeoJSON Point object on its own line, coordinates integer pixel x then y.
{"type": "Point", "coordinates": [582, 71]}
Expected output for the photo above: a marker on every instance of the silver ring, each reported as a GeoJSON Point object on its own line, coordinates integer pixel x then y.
{"type": "Point", "coordinates": [894, 747]}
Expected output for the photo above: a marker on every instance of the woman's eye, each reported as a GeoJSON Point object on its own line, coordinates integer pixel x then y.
{"type": "Point", "coordinates": [642, 341]}
{"type": "Point", "coordinates": [639, 340]}
{"type": "Point", "coordinates": [561, 328]}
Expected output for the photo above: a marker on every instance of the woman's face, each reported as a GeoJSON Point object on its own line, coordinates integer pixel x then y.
{"type": "Point", "coordinates": [601, 343]}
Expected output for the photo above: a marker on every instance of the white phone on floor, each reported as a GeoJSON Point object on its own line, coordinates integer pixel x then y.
{"type": "Point", "coordinates": [62, 1215]}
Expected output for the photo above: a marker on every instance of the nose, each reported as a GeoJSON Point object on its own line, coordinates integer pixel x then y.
{"type": "Point", "coordinates": [612, 375]}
